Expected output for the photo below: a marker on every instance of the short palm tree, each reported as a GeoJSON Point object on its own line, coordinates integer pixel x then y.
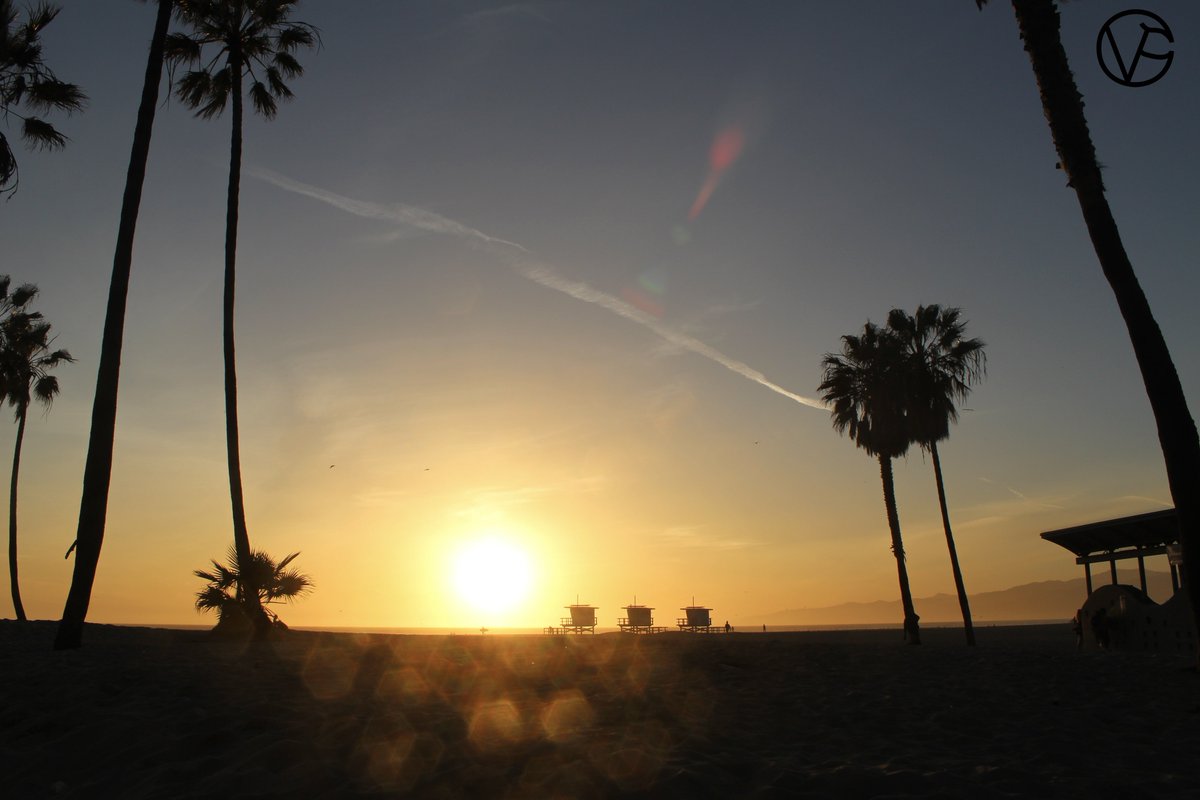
{"type": "Point", "coordinates": [944, 364]}
{"type": "Point", "coordinates": [267, 581]}
{"type": "Point", "coordinates": [97, 470]}
{"type": "Point", "coordinates": [864, 388]}
{"type": "Point", "coordinates": [255, 40]}
{"type": "Point", "coordinates": [28, 86]}
{"type": "Point", "coordinates": [25, 361]}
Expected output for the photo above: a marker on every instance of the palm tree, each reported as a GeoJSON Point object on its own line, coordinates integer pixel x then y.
{"type": "Point", "coordinates": [254, 39]}
{"type": "Point", "coordinates": [27, 83]}
{"type": "Point", "coordinates": [272, 583]}
{"type": "Point", "coordinates": [1062, 104]}
{"type": "Point", "coordinates": [97, 471]}
{"type": "Point", "coordinates": [26, 361]}
{"type": "Point", "coordinates": [943, 365]}
{"type": "Point", "coordinates": [864, 387]}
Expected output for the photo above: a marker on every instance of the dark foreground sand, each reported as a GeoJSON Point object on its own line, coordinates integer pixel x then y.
{"type": "Point", "coordinates": [142, 713]}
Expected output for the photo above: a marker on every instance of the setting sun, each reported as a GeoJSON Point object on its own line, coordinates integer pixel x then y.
{"type": "Point", "coordinates": [491, 574]}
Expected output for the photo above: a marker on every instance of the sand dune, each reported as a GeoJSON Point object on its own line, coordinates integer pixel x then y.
{"type": "Point", "coordinates": [143, 713]}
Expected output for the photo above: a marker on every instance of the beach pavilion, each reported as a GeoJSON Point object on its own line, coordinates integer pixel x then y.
{"type": "Point", "coordinates": [1124, 617]}
{"type": "Point", "coordinates": [1109, 541]}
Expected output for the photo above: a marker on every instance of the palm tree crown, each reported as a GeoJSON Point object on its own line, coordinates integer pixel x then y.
{"type": "Point", "coordinates": [864, 387]}
{"type": "Point", "coordinates": [27, 361]}
{"type": "Point", "coordinates": [25, 355]}
{"type": "Point", "coordinates": [27, 83]}
{"type": "Point", "coordinates": [942, 366]}
{"type": "Point", "coordinates": [254, 38]}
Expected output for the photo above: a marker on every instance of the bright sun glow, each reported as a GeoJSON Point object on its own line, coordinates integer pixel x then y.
{"type": "Point", "coordinates": [492, 574]}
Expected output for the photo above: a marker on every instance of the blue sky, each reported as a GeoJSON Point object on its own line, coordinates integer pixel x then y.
{"type": "Point", "coordinates": [893, 154]}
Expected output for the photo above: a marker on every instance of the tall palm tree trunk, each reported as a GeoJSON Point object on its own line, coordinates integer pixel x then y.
{"type": "Point", "coordinates": [1062, 104]}
{"type": "Point", "coordinates": [241, 535]}
{"type": "Point", "coordinates": [97, 473]}
{"type": "Point", "coordinates": [912, 629]}
{"type": "Point", "coordinates": [963, 603]}
{"type": "Point", "coordinates": [12, 518]}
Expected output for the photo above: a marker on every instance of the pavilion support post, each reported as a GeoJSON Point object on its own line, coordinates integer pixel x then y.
{"type": "Point", "coordinates": [1174, 579]}
{"type": "Point", "coordinates": [1087, 573]}
{"type": "Point", "coordinates": [1142, 573]}
{"type": "Point", "coordinates": [1112, 570]}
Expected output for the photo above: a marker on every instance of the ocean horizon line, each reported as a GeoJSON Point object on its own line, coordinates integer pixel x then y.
{"type": "Point", "coordinates": [518, 630]}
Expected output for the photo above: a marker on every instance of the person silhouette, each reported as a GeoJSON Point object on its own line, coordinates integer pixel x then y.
{"type": "Point", "coordinates": [727, 628]}
{"type": "Point", "coordinates": [1100, 628]}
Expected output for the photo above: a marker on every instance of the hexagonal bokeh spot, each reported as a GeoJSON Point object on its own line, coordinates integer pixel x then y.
{"type": "Point", "coordinates": [566, 716]}
{"type": "Point", "coordinates": [329, 672]}
{"type": "Point", "coordinates": [495, 723]}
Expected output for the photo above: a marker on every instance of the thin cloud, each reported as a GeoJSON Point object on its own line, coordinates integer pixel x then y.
{"type": "Point", "coordinates": [511, 10]}
{"type": "Point", "coordinates": [690, 536]}
{"type": "Point", "coordinates": [521, 260]}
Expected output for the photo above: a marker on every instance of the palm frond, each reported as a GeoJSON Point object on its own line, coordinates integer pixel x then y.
{"type": "Point", "coordinates": [51, 94]}
{"type": "Point", "coordinates": [179, 48]}
{"type": "Point", "coordinates": [263, 102]}
{"type": "Point", "coordinates": [41, 135]}
{"type": "Point", "coordinates": [210, 598]}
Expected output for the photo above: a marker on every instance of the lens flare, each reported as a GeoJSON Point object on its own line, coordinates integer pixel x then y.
{"type": "Point", "coordinates": [726, 149]}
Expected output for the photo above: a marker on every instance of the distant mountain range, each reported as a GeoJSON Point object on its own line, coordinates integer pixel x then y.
{"type": "Point", "coordinates": [1045, 600]}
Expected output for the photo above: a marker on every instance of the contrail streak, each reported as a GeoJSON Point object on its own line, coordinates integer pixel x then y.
{"type": "Point", "coordinates": [404, 214]}
{"type": "Point", "coordinates": [520, 260]}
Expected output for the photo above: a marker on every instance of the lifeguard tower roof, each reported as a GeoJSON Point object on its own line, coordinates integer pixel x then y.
{"type": "Point", "coordinates": [1112, 540]}
{"type": "Point", "coordinates": [1136, 533]}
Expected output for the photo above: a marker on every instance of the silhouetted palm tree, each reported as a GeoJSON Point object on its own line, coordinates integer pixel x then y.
{"type": "Point", "coordinates": [254, 39]}
{"type": "Point", "coordinates": [273, 583]}
{"type": "Point", "coordinates": [1062, 105]}
{"type": "Point", "coordinates": [27, 83]}
{"type": "Point", "coordinates": [26, 361]}
{"type": "Point", "coordinates": [97, 471]}
{"type": "Point", "coordinates": [943, 365]}
{"type": "Point", "coordinates": [864, 387]}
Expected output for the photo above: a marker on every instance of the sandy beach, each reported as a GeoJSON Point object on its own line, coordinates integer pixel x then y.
{"type": "Point", "coordinates": [147, 713]}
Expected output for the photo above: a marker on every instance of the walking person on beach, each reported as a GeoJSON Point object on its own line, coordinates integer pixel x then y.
{"type": "Point", "coordinates": [1100, 628]}
{"type": "Point", "coordinates": [1077, 627]}
{"type": "Point", "coordinates": [727, 628]}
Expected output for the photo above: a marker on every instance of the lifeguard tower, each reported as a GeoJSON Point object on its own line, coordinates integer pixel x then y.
{"type": "Point", "coordinates": [698, 619]}
{"type": "Point", "coordinates": [638, 619]}
{"type": "Point", "coordinates": [582, 620]}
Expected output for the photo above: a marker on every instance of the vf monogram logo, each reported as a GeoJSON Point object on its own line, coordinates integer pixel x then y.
{"type": "Point", "coordinates": [1114, 48]}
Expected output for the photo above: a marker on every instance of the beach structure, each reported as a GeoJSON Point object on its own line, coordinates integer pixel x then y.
{"type": "Point", "coordinates": [638, 619]}
{"type": "Point", "coordinates": [582, 619]}
{"type": "Point", "coordinates": [1112, 540]}
{"type": "Point", "coordinates": [1123, 617]}
{"type": "Point", "coordinates": [697, 619]}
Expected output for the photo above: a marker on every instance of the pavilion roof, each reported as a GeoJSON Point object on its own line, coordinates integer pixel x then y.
{"type": "Point", "coordinates": [1110, 535]}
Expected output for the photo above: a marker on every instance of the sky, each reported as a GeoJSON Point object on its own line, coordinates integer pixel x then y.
{"type": "Point", "coordinates": [532, 301]}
